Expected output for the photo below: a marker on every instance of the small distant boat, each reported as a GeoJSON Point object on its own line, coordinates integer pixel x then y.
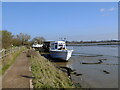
{"type": "Point", "coordinates": [37, 45]}
{"type": "Point", "coordinates": [58, 50]}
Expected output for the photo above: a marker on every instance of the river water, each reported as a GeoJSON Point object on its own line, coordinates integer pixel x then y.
{"type": "Point", "coordinates": [85, 60]}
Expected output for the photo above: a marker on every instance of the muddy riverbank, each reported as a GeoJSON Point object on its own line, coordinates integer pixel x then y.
{"type": "Point", "coordinates": [94, 66]}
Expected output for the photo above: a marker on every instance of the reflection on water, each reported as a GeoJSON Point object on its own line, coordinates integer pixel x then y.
{"type": "Point", "coordinates": [94, 74]}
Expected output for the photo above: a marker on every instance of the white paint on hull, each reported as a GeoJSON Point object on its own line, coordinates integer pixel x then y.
{"type": "Point", "coordinates": [61, 54]}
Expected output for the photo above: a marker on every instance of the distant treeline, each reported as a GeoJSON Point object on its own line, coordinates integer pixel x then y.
{"type": "Point", "coordinates": [97, 42]}
{"type": "Point", "coordinates": [10, 40]}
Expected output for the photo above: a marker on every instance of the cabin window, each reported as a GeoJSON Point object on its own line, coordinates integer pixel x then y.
{"type": "Point", "coordinates": [55, 46]}
{"type": "Point", "coordinates": [60, 45]}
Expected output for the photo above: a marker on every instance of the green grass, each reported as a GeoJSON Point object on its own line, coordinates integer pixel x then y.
{"type": "Point", "coordinates": [10, 61]}
{"type": "Point", "coordinates": [47, 75]}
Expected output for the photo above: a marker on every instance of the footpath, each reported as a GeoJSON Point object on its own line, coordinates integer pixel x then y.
{"type": "Point", "coordinates": [18, 75]}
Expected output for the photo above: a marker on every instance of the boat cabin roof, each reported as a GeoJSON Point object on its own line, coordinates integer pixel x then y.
{"type": "Point", "coordinates": [58, 42]}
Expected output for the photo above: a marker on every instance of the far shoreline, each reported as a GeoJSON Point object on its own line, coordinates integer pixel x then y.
{"type": "Point", "coordinates": [92, 43]}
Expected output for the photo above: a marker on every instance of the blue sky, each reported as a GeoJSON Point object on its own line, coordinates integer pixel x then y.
{"type": "Point", "coordinates": [73, 20]}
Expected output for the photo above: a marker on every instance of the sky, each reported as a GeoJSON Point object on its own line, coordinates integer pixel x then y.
{"type": "Point", "coordinates": [72, 20]}
{"type": "Point", "coordinates": [60, 0]}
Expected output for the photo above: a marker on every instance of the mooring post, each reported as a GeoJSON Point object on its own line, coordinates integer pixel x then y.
{"type": "Point", "coordinates": [69, 72]}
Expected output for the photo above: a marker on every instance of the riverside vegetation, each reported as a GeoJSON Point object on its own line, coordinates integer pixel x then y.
{"type": "Point", "coordinates": [45, 74]}
{"type": "Point", "coordinates": [9, 60]}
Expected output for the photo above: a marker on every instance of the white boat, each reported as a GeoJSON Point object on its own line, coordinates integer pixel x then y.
{"type": "Point", "coordinates": [37, 45]}
{"type": "Point", "coordinates": [58, 50]}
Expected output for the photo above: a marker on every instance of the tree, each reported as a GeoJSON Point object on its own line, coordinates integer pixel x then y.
{"type": "Point", "coordinates": [6, 38]}
{"type": "Point", "coordinates": [16, 41]}
{"type": "Point", "coordinates": [38, 40]}
{"type": "Point", "coordinates": [23, 38]}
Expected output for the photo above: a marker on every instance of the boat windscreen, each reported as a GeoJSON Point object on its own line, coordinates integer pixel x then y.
{"type": "Point", "coordinates": [60, 45]}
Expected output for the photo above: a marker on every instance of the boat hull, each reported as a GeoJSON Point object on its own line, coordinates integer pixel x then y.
{"type": "Point", "coordinates": [61, 54]}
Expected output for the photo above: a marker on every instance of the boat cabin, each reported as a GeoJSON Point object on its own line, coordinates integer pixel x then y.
{"type": "Point", "coordinates": [36, 45]}
{"type": "Point", "coordinates": [58, 45]}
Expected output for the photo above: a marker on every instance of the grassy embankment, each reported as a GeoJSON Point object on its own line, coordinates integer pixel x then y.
{"type": "Point", "coordinates": [9, 60]}
{"type": "Point", "coordinates": [46, 74]}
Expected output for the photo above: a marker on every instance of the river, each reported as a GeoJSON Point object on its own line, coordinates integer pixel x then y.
{"type": "Point", "coordinates": [103, 75]}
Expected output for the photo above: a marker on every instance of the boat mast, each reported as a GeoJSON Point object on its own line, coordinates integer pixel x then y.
{"type": "Point", "coordinates": [62, 39]}
{"type": "Point", "coordinates": [65, 39]}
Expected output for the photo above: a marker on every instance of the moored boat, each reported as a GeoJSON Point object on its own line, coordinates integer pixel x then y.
{"type": "Point", "coordinates": [58, 50]}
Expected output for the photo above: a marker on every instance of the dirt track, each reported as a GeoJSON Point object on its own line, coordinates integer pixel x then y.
{"type": "Point", "coordinates": [18, 75]}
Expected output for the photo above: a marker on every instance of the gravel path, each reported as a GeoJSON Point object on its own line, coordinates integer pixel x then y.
{"type": "Point", "coordinates": [18, 75]}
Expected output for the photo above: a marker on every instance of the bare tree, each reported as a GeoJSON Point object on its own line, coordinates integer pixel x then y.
{"type": "Point", "coordinates": [23, 38]}
{"type": "Point", "coordinates": [38, 40]}
{"type": "Point", "coordinates": [16, 41]}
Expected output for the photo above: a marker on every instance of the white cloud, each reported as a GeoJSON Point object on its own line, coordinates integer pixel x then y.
{"type": "Point", "coordinates": [107, 10]}
{"type": "Point", "coordinates": [102, 10]}
{"type": "Point", "coordinates": [111, 9]}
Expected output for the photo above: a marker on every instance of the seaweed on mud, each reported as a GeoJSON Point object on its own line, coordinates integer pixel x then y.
{"type": "Point", "coordinates": [99, 62]}
{"type": "Point", "coordinates": [107, 72]}
{"type": "Point", "coordinates": [70, 71]}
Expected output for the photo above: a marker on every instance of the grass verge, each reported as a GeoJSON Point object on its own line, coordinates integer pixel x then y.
{"type": "Point", "coordinates": [9, 60]}
{"type": "Point", "coordinates": [46, 74]}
